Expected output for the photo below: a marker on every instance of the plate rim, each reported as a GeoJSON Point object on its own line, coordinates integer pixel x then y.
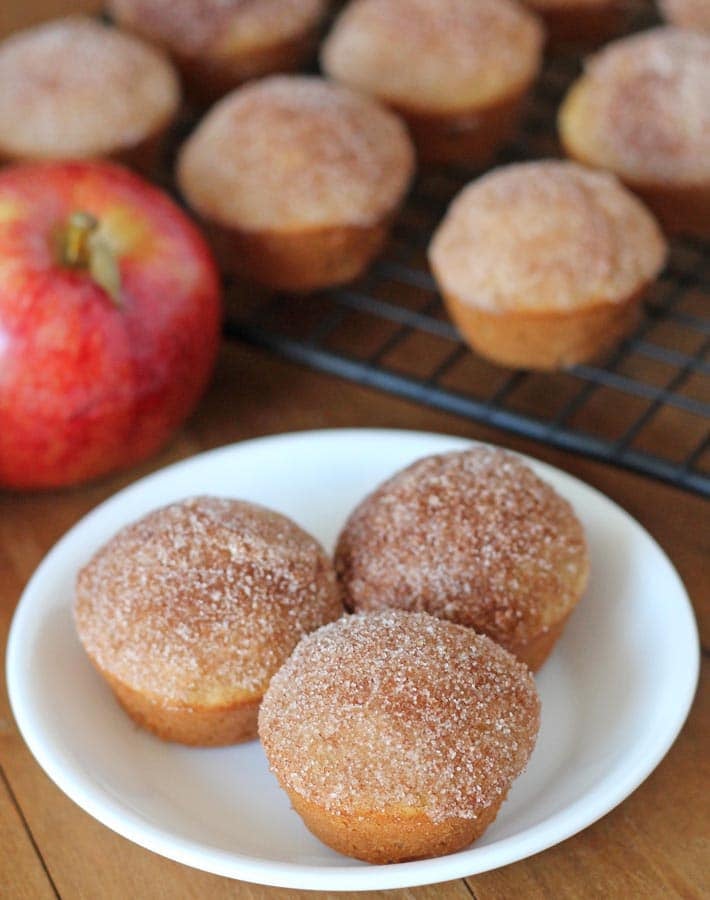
{"type": "Point", "coordinates": [609, 792]}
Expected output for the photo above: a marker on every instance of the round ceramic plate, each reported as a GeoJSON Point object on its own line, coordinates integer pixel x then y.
{"type": "Point", "coordinates": [615, 692]}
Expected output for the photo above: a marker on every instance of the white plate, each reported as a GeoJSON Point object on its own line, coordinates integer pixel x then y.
{"type": "Point", "coordinates": [614, 693]}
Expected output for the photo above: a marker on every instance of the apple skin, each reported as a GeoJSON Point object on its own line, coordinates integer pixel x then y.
{"type": "Point", "coordinates": [88, 386]}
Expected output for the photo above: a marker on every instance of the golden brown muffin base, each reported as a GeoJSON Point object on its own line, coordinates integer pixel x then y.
{"type": "Point", "coordinates": [581, 24]}
{"type": "Point", "coordinates": [299, 261]}
{"type": "Point", "coordinates": [470, 138]}
{"type": "Point", "coordinates": [148, 157]}
{"type": "Point", "coordinates": [398, 836]}
{"type": "Point", "coordinates": [206, 79]}
{"type": "Point", "coordinates": [145, 157]}
{"type": "Point", "coordinates": [535, 652]}
{"type": "Point", "coordinates": [679, 209]}
{"type": "Point", "coordinates": [547, 341]}
{"type": "Point", "coordinates": [214, 726]}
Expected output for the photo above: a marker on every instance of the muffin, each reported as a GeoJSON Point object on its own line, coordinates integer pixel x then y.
{"type": "Point", "coordinates": [582, 21]}
{"type": "Point", "coordinates": [687, 13]}
{"type": "Point", "coordinates": [641, 110]}
{"type": "Point", "coordinates": [397, 736]}
{"type": "Point", "coordinates": [474, 537]}
{"type": "Point", "coordinates": [543, 264]}
{"type": "Point", "coordinates": [219, 44]}
{"type": "Point", "coordinates": [297, 180]}
{"type": "Point", "coordinates": [74, 89]}
{"type": "Point", "coordinates": [456, 70]}
{"type": "Point", "coordinates": [188, 612]}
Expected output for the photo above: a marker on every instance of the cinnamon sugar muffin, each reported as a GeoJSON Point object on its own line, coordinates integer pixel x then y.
{"type": "Point", "coordinates": [74, 88]}
{"type": "Point", "coordinates": [397, 736]}
{"type": "Point", "coordinates": [219, 44]}
{"type": "Point", "coordinates": [474, 537]}
{"type": "Point", "coordinates": [641, 110]}
{"type": "Point", "coordinates": [298, 179]}
{"type": "Point", "coordinates": [456, 70]}
{"type": "Point", "coordinates": [188, 612]}
{"type": "Point", "coordinates": [543, 264]}
{"type": "Point", "coordinates": [687, 13]}
{"type": "Point", "coordinates": [583, 21]}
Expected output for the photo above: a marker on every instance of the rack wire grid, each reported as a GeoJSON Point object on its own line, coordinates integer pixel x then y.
{"type": "Point", "coordinates": [644, 406]}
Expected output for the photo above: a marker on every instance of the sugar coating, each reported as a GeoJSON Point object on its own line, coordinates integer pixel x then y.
{"type": "Point", "coordinates": [545, 5]}
{"type": "Point", "coordinates": [200, 602]}
{"type": "Point", "coordinates": [544, 236]}
{"type": "Point", "coordinates": [293, 152]}
{"type": "Point", "coordinates": [217, 27]}
{"type": "Point", "coordinates": [434, 57]}
{"type": "Point", "coordinates": [642, 108]}
{"type": "Point", "coordinates": [687, 13]}
{"type": "Point", "coordinates": [74, 88]}
{"type": "Point", "coordinates": [397, 709]}
{"type": "Point", "coordinates": [474, 537]}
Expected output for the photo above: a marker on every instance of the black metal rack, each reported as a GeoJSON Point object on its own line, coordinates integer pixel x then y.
{"type": "Point", "coordinates": [645, 406]}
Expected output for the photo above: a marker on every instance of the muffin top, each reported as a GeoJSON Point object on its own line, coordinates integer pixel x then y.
{"type": "Point", "coordinates": [192, 28]}
{"type": "Point", "coordinates": [74, 88]}
{"type": "Point", "coordinates": [546, 235]}
{"type": "Point", "coordinates": [399, 710]}
{"type": "Point", "coordinates": [292, 152]}
{"type": "Point", "coordinates": [475, 537]}
{"type": "Point", "coordinates": [687, 13]}
{"type": "Point", "coordinates": [441, 57]}
{"type": "Point", "coordinates": [547, 5]}
{"type": "Point", "coordinates": [642, 108]}
{"type": "Point", "coordinates": [202, 601]}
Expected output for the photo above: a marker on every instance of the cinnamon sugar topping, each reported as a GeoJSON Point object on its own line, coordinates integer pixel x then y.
{"type": "Point", "coordinates": [75, 88]}
{"type": "Point", "coordinates": [642, 109]}
{"type": "Point", "coordinates": [544, 5]}
{"type": "Point", "coordinates": [193, 27]}
{"type": "Point", "coordinates": [434, 57]}
{"type": "Point", "coordinates": [474, 537]}
{"type": "Point", "coordinates": [201, 601]}
{"type": "Point", "coordinates": [687, 13]}
{"type": "Point", "coordinates": [546, 235]}
{"type": "Point", "coordinates": [399, 709]}
{"type": "Point", "coordinates": [293, 152]}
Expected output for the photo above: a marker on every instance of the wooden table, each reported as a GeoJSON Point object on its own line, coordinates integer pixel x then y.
{"type": "Point", "coordinates": [655, 845]}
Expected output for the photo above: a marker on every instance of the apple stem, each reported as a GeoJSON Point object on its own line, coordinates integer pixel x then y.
{"type": "Point", "coordinates": [83, 247]}
{"type": "Point", "coordinates": [79, 228]}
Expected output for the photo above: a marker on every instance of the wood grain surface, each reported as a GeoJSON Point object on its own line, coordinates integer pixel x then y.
{"type": "Point", "coordinates": [654, 845]}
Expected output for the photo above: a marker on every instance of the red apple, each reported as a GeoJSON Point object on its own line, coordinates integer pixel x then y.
{"type": "Point", "coordinates": [109, 321]}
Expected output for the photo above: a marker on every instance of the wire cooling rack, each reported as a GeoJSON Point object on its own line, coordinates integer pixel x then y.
{"type": "Point", "coordinates": [644, 406]}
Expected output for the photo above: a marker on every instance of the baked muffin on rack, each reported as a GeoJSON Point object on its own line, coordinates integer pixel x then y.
{"type": "Point", "coordinates": [456, 70]}
{"type": "Point", "coordinates": [188, 612]}
{"type": "Point", "coordinates": [582, 21]}
{"type": "Point", "coordinates": [543, 264]}
{"type": "Point", "coordinates": [687, 13]}
{"type": "Point", "coordinates": [398, 736]}
{"type": "Point", "coordinates": [75, 88]}
{"type": "Point", "coordinates": [475, 537]}
{"type": "Point", "coordinates": [641, 110]}
{"type": "Point", "coordinates": [219, 44]}
{"type": "Point", "coordinates": [297, 180]}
